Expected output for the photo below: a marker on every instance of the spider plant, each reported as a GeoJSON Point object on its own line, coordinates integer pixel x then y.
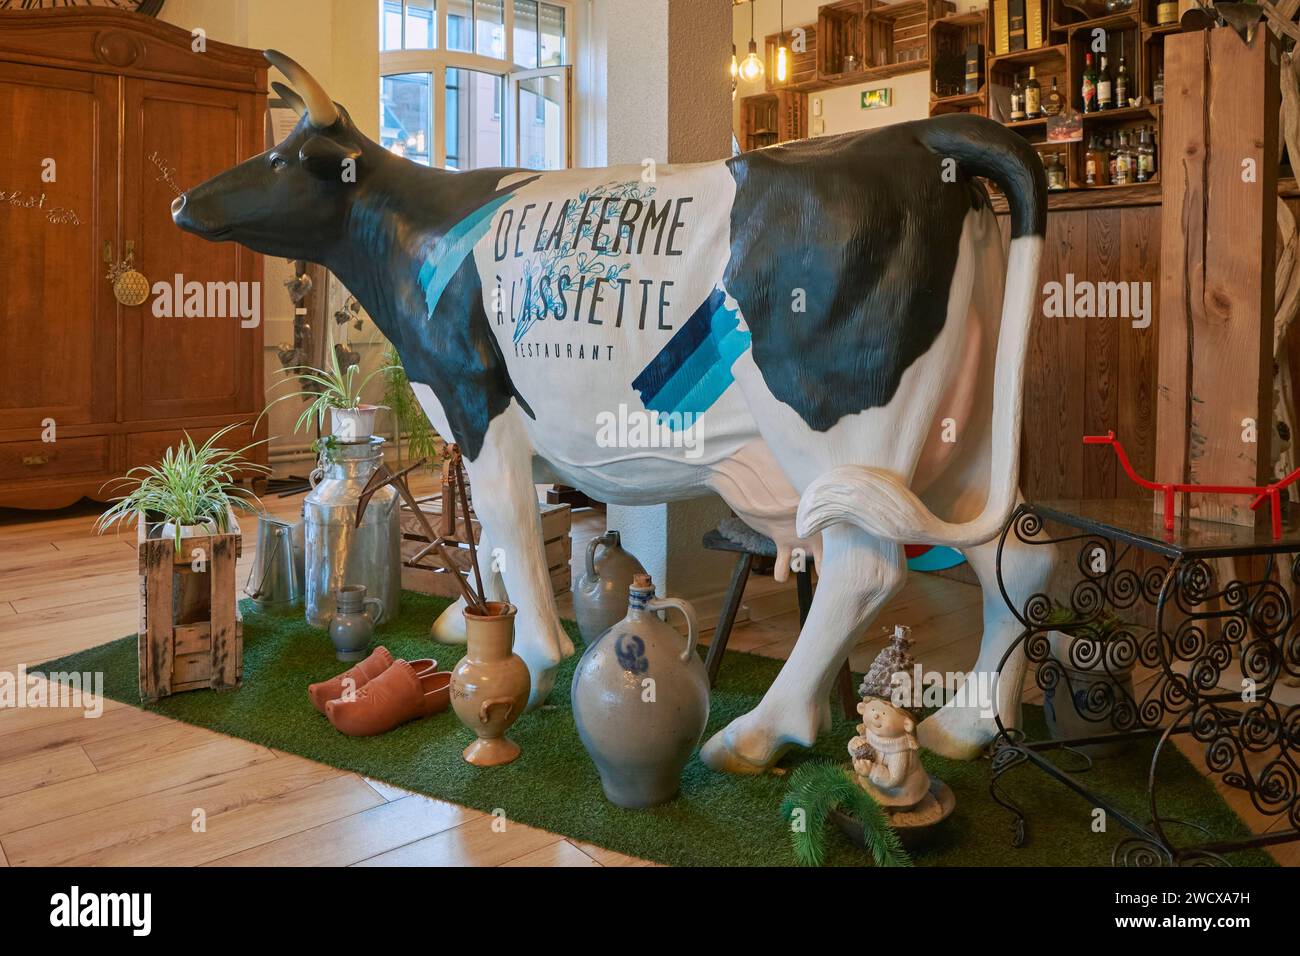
{"type": "Point", "coordinates": [191, 485]}
{"type": "Point", "coordinates": [339, 388]}
{"type": "Point", "coordinates": [408, 417]}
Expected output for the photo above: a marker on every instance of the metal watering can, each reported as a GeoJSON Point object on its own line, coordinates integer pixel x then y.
{"type": "Point", "coordinates": [278, 565]}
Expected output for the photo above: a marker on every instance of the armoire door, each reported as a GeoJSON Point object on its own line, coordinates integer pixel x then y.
{"type": "Point", "coordinates": [58, 208]}
{"type": "Point", "coordinates": [174, 366]}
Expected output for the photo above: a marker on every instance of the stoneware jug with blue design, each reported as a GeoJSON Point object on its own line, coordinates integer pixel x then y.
{"type": "Point", "coordinates": [641, 700]}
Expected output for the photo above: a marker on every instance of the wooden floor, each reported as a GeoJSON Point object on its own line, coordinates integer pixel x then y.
{"type": "Point", "coordinates": [126, 788]}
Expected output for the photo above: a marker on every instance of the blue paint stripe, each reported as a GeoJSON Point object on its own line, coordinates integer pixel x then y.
{"type": "Point", "coordinates": [717, 378]}
{"type": "Point", "coordinates": [696, 369]}
{"type": "Point", "coordinates": [679, 348]}
{"type": "Point", "coordinates": [693, 370]}
{"type": "Point", "coordinates": [441, 265]}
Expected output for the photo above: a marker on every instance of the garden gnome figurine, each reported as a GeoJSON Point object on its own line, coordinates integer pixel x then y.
{"type": "Point", "coordinates": [885, 755]}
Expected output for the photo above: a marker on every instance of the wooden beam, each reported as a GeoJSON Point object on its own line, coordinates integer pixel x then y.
{"type": "Point", "coordinates": [1232, 336]}
{"type": "Point", "coordinates": [1182, 243]}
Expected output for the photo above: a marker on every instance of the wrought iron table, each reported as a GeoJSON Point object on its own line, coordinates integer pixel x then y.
{"type": "Point", "coordinates": [1144, 597]}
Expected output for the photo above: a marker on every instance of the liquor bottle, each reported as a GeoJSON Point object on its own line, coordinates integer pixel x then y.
{"type": "Point", "coordinates": [1146, 156]}
{"type": "Point", "coordinates": [974, 68]}
{"type": "Point", "coordinates": [1053, 102]}
{"type": "Point", "coordinates": [1055, 173]}
{"type": "Point", "coordinates": [1089, 87]}
{"type": "Point", "coordinates": [1017, 101]}
{"type": "Point", "coordinates": [1123, 161]}
{"type": "Point", "coordinates": [1112, 155]}
{"type": "Point", "coordinates": [1033, 97]}
{"type": "Point", "coordinates": [1096, 162]}
{"type": "Point", "coordinates": [1158, 87]}
{"type": "Point", "coordinates": [1105, 88]}
{"type": "Point", "coordinates": [1122, 84]}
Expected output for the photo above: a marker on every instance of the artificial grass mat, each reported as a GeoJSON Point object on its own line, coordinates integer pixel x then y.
{"type": "Point", "coordinates": [719, 819]}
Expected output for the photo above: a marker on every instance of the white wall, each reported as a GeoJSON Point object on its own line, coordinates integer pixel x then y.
{"type": "Point", "coordinates": [841, 107]}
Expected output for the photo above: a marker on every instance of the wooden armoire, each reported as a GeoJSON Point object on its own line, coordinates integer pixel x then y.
{"type": "Point", "coordinates": [104, 117]}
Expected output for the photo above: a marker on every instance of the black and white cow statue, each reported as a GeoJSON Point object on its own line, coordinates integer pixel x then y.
{"type": "Point", "coordinates": [826, 318]}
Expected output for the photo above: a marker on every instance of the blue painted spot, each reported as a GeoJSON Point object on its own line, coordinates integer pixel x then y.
{"type": "Point", "coordinates": [692, 371]}
{"type": "Point", "coordinates": [936, 559]}
{"type": "Point", "coordinates": [441, 265]}
{"type": "Point", "coordinates": [630, 651]}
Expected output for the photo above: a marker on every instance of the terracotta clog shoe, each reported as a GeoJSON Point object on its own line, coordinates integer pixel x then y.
{"type": "Point", "coordinates": [360, 674]}
{"type": "Point", "coordinates": [399, 694]}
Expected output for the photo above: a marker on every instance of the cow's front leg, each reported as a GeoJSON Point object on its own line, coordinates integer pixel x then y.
{"type": "Point", "coordinates": [506, 503]}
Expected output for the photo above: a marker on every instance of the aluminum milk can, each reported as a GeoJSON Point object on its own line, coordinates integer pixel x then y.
{"type": "Point", "coordinates": [339, 554]}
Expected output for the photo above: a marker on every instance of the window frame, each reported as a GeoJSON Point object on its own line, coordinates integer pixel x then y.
{"type": "Point", "coordinates": [438, 60]}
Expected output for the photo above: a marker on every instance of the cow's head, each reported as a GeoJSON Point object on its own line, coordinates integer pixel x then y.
{"type": "Point", "coordinates": [292, 200]}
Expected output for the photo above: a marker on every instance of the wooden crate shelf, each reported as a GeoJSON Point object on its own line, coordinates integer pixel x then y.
{"type": "Point", "coordinates": [767, 119]}
{"type": "Point", "coordinates": [950, 35]}
{"type": "Point", "coordinates": [802, 70]}
{"type": "Point", "coordinates": [429, 577]}
{"type": "Point", "coordinates": [875, 32]}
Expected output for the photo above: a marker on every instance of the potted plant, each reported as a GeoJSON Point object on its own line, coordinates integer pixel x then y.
{"type": "Point", "coordinates": [337, 391]}
{"type": "Point", "coordinates": [190, 493]}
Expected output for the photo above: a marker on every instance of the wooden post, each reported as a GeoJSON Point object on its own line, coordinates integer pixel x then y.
{"type": "Point", "coordinates": [1218, 236]}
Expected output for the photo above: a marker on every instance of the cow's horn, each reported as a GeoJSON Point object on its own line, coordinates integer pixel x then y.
{"type": "Point", "coordinates": [320, 108]}
{"type": "Point", "coordinates": [289, 96]}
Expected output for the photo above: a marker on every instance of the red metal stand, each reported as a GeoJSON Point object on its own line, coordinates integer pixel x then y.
{"type": "Point", "coordinates": [1169, 489]}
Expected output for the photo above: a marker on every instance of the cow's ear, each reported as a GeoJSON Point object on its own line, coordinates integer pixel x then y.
{"type": "Point", "coordinates": [326, 158]}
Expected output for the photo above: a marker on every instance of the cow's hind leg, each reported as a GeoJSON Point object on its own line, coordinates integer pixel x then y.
{"type": "Point", "coordinates": [963, 727]}
{"type": "Point", "coordinates": [858, 575]}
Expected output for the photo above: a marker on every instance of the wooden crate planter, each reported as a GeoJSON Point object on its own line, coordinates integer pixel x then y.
{"type": "Point", "coordinates": [177, 656]}
{"type": "Point", "coordinates": [430, 578]}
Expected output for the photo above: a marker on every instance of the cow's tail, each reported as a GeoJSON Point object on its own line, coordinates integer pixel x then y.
{"type": "Point", "coordinates": [876, 500]}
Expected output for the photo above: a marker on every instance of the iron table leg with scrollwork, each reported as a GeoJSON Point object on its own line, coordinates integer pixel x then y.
{"type": "Point", "coordinates": [1086, 651]}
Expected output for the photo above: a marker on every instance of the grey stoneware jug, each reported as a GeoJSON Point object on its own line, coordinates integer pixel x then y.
{"type": "Point", "coordinates": [600, 596]}
{"type": "Point", "coordinates": [641, 700]}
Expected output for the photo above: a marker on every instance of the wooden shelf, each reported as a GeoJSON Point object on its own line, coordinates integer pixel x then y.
{"type": "Point", "coordinates": [1151, 110]}
{"type": "Point", "coordinates": [1124, 20]}
{"type": "Point", "coordinates": [1027, 58]}
{"type": "Point", "coordinates": [959, 20]}
{"type": "Point", "coordinates": [960, 103]}
{"type": "Point", "coordinates": [1093, 197]}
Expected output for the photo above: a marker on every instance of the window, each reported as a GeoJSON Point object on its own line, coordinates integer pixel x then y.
{"type": "Point", "coordinates": [473, 83]}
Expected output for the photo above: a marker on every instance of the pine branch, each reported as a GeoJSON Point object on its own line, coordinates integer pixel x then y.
{"type": "Point", "coordinates": [818, 788]}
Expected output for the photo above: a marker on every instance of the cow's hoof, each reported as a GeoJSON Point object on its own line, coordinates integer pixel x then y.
{"type": "Point", "coordinates": [449, 628]}
{"type": "Point", "coordinates": [958, 733]}
{"type": "Point", "coordinates": [718, 754]}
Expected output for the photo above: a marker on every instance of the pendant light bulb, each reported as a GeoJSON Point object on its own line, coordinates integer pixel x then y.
{"type": "Point", "coordinates": [735, 64]}
{"type": "Point", "coordinates": [751, 68]}
{"type": "Point", "coordinates": [782, 52]}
